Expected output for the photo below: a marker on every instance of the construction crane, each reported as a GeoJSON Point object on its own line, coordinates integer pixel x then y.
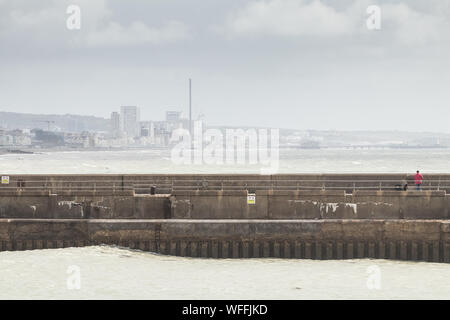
{"type": "Point", "coordinates": [47, 121]}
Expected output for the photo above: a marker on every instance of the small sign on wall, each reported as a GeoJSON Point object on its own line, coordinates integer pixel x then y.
{"type": "Point", "coordinates": [251, 198]}
{"type": "Point", "coordinates": [5, 179]}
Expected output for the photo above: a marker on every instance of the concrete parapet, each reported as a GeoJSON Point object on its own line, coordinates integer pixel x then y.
{"type": "Point", "coordinates": [347, 182]}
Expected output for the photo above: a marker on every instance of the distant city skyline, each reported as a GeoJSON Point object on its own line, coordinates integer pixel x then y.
{"type": "Point", "coordinates": [204, 118]}
{"type": "Point", "coordinates": [297, 64]}
{"type": "Point", "coordinates": [125, 130]}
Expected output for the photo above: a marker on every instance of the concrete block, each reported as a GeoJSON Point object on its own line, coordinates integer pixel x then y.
{"type": "Point", "coordinates": [435, 245]}
{"type": "Point", "coordinates": [225, 250]}
{"type": "Point", "coordinates": [403, 250]}
{"type": "Point", "coordinates": [266, 249]}
{"type": "Point", "coordinates": [235, 249]}
{"type": "Point", "coordinates": [414, 251]}
{"type": "Point", "coordinates": [28, 245]}
{"type": "Point", "coordinates": [162, 247]}
{"type": "Point", "coordinates": [426, 251]}
{"type": "Point", "coordinates": [276, 249]}
{"type": "Point", "coordinates": [371, 250]}
{"type": "Point", "coordinates": [173, 248]}
{"type": "Point", "coordinates": [298, 250]}
{"type": "Point", "coordinates": [349, 250]}
{"type": "Point", "coordinates": [203, 249]}
{"type": "Point", "coordinates": [193, 249]}
{"type": "Point", "coordinates": [392, 250]}
{"type": "Point", "coordinates": [339, 250]}
{"type": "Point", "coordinates": [329, 251]}
{"type": "Point", "coordinates": [318, 250]}
{"type": "Point", "coordinates": [360, 250]}
{"type": "Point", "coordinates": [81, 243]}
{"type": "Point", "coordinates": [39, 244]}
{"type": "Point", "coordinates": [446, 252]}
{"type": "Point", "coordinates": [308, 250]}
{"type": "Point", "coordinates": [287, 249]}
{"type": "Point", "coordinates": [183, 248]}
{"type": "Point", "coordinates": [382, 250]}
{"type": "Point", "coordinates": [215, 249]}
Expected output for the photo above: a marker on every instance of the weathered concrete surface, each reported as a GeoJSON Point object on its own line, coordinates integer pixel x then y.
{"type": "Point", "coordinates": [209, 204]}
{"type": "Point", "coordinates": [426, 240]}
{"type": "Point", "coordinates": [311, 205]}
{"type": "Point", "coordinates": [79, 205]}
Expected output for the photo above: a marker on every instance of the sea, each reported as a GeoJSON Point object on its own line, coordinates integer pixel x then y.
{"type": "Point", "coordinates": [110, 272]}
{"type": "Point", "coordinates": [382, 160]}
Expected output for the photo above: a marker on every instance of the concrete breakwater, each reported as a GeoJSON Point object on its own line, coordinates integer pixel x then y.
{"type": "Point", "coordinates": [416, 240]}
{"type": "Point", "coordinates": [303, 216]}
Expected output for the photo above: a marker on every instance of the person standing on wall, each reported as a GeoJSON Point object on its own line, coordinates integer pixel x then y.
{"type": "Point", "coordinates": [419, 180]}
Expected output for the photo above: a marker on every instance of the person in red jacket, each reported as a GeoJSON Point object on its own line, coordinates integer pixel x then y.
{"type": "Point", "coordinates": [419, 180]}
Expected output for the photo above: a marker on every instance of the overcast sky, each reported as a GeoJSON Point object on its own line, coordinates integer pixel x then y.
{"type": "Point", "coordinates": [282, 63]}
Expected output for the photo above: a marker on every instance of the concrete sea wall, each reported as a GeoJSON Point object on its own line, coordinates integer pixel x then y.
{"type": "Point", "coordinates": [294, 216]}
{"type": "Point", "coordinates": [306, 239]}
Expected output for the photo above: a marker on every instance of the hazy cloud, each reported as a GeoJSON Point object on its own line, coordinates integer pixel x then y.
{"type": "Point", "coordinates": [291, 18]}
{"type": "Point", "coordinates": [284, 63]}
{"type": "Point", "coordinates": [45, 25]}
{"type": "Point", "coordinates": [137, 33]}
{"type": "Point", "coordinates": [299, 18]}
{"type": "Point", "coordinates": [413, 27]}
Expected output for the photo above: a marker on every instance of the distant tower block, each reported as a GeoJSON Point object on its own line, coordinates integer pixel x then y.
{"type": "Point", "coordinates": [129, 120]}
{"type": "Point", "coordinates": [173, 116]}
{"type": "Point", "coordinates": [115, 125]}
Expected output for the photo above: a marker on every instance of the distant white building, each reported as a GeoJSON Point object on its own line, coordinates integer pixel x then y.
{"type": "Point", "coordinates": [173, 116]}
{"type": "Point", "coordinates": [6, 140]}
{"type": "Point", "coordinates": [116, 130]}
{"type": "Point", "coordinates": [129, 120]}
{"type": "Point", "coordinates": [147, 129]}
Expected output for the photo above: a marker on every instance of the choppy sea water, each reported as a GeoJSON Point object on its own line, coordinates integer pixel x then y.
{"type": "Point", "coordinates": [106, 272]}
{"type": "Point", "coordinates": [290, 161]}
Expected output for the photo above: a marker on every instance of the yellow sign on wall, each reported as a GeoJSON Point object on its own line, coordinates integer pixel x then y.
{"type": "Point", "coordinates": [5, 179]}
{"type": "Point", "coordinates": [251, 198]}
